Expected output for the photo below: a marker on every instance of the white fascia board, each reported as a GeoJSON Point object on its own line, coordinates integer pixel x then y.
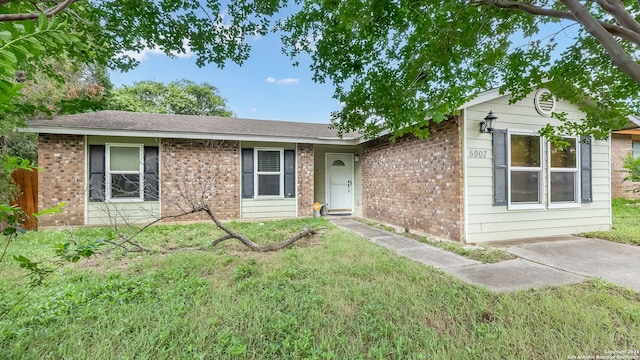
{"type": "Point", "coordinates": [483, 97]}
{"type": "Point", "coordinates": [179, 135]}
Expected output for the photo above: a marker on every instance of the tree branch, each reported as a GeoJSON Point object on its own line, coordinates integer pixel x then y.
{"type": "Point", "coordinates": [613, 29]}
{"type": "Point", "coordinates": [619, 12]}
{"type": "Point", "coordinates": [618, 55]}
{"type": "Point", "coordinates": [54, 10]}
{"type": "Point", "coordinates": [250, 244]}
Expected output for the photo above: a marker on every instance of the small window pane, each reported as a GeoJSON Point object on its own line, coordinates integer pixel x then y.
{"type": "Point", "coordinates": [124, 158]}
{"type": "Point", "coordinates": [125, 186]}
{"type": "Point", "coordinates": [566, 157]}
{"type": "Point", "coordinates": [525, 186]}
{"type": "Point", "coordinates": [338, 163]}
{"type": "Point", "coordinates": [525, 150]}
{"type": "Point", "coordinates": [268, 185]}
{"type": "Point", "coordinates": [636, 149]}
{"type": "Point", "coordinates": [268, 161]}
{"type": "Point", "coordinates": [563, 187]}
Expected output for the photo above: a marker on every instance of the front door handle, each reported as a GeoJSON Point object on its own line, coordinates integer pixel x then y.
{"type": "Point", "coordinates": [349, 186]}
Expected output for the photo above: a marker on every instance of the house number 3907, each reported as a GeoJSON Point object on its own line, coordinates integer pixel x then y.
{"type": "Point", "coordinates": [473, 153]}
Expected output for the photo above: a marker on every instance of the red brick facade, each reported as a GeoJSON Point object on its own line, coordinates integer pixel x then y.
{"type": "Point", "coordinates": [621, 145]}
{"type": "Point", "coordinates": [416, 183]}
{"type": "Point", "coordinates": [63, 159]}
{"type": "Point", "coordinates": [192, 172]}
{"type": "Point", "coordinates": [200, 171]}
{"type": "Point", "coordinates": [304, 179]}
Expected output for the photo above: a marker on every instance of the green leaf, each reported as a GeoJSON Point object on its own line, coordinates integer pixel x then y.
{"type": "Point", "coordinates": [9, 57]}
{"type": "Point", "coordinates": [52, 210]}
{"type": "Point", "coordinates": [42, 22]}
{"type": "Point", "coordinates": [9, 231]}
{"type": "Point", "coordinates": [22, 50]}
{"type": "Point", "coordinates": [5, 35]}
{"type": "Point", "coordinates": [34, 44]}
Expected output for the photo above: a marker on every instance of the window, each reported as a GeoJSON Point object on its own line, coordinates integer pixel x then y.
{"type": "Point", "coordinates": [525, 171]}
{"type": "Point", "coordinates": [125, 169]}
{"type": "Point", "coordinates": [269, 174]}
{"type": "Point", "coordinates": [116, 172]}
{"type": "Point", "coordinates": [563, 173]}
{"type": "Point", "coordinates": [525, 174]}
{"type": "Point", "coordinates": [636, 149]}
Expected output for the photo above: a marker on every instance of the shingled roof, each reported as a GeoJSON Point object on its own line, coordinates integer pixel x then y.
{"type": "Point", "coordinates": [123, 123]}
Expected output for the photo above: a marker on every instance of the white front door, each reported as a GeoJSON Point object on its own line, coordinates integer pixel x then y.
{"type": "Point", "coordinates": [340, 183]}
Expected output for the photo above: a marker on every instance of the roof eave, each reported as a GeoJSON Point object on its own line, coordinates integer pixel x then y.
{"type": "Point", "coordinates": [189, 135]}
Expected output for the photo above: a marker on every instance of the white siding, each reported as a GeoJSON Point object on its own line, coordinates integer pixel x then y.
{"type": "Point", "coordinates": [101, 213]}
{"type": "Point", "coordinates": [485, 222]}
{"type": "Point", "coordinates": [268, 208]}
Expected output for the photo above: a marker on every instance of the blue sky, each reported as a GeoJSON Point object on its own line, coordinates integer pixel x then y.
{"type": "Point", "coordinates": [267, 86]}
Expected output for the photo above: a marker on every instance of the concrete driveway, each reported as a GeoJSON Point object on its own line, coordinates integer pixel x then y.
{"type": "Point", "coordinates": [614, 262]}
{"type": "Point", "coordinates": [542, 262]}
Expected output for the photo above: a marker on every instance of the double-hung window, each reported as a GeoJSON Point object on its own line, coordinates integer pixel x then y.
{"type": "Point", "coordinates": [525, 171]}
{"type": "Point", "coordinates": [563, 173]}
{"type": "Point", "coordinates": [124, 172]}
{"type": "Point", "coordinates": [269, 175]}
{"type": "Point", "coordinates": [529, 175]}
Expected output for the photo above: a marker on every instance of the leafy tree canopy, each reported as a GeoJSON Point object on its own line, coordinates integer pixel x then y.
{"type": "Point", "coordinates": [393, 63]}
{"type": "Point", "coordinates": [396, 63]}
{"type": "Point", "coordinates": [178, 97]}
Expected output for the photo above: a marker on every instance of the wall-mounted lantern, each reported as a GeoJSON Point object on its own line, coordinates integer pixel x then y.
{"type": "Point", "coordinates": [488, 124]}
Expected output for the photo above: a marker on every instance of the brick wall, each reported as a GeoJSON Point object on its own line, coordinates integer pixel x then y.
{"type": "Point", "coordinates": [304, 179]}
{"type": "Point", "coordinates": [200, 171]}
{"type": "Point", "coordinates": [62, 158]}
{"type": "Point", "coordinates": [416, 183]}
{"type": "Point", "coordinates": [621, 145]}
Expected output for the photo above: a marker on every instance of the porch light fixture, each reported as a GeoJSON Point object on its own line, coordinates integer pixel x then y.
{"type": "Point", "coordinates": [487, 125]}
{"type": "Point", "coordinates": [356, 158]}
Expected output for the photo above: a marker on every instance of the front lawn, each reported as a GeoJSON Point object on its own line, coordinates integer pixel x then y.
{"type": "Point", "coordinates": [334, 296]}
{"type": "Point", "coordinates": [626, 223]}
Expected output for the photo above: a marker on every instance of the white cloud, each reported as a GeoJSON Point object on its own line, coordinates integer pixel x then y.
{"type": "Point", "coordinates": [285, 81]}
{"type": "Point", "coordinates": [289, 81]}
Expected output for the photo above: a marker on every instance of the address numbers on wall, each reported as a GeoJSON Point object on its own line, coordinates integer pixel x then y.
{"type": "Point", "coordinates": [475, 153]}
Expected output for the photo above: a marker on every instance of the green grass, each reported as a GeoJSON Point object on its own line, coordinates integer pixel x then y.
{"type": "Point", "coordinates": [335, 296]}
{"type": "Point", "coordinates": [478, 253]}
{"type": "Point", "coordinates": [626, 223]}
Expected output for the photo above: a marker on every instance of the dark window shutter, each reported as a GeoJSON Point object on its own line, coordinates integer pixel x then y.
{"type": "Point", "coordinates": [247, 173]}
{"type": "Point", "coordinates": [289, 173]}
{"type": "Point", "coordinates": [585, 170]}
{"type": "Point", "coordinates": [151, 173]}
{"type": "Point", "coordinates": [500, 173]}
{"type": "Point", "coordinates": [96, 173]}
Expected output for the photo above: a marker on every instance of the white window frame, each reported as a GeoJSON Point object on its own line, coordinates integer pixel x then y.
{"type": "Point", "coordinates": [539, 170]}
{"type": "Point", "coordinates": [108, 172]}
{"type": "Point", "coordinates": [256, 187]}
{"type": "Point", "coordinates": [576, 179]}
{"type": "Point", "coordinates": [635, 148]}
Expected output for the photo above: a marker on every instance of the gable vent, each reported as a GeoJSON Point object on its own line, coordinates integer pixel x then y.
{"type": "Point", "coordinates": [545, 102]}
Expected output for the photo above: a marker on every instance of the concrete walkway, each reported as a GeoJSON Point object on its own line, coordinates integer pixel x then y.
{"type": "Point", "coordinates": [540, 264]}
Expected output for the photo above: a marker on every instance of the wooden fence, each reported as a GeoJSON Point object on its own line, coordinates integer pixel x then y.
{"type": "Point", "coordinates": [28, 199]}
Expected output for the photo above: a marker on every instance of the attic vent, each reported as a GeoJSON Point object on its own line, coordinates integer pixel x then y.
{"type": "Point", "coordinates": [545, 102]}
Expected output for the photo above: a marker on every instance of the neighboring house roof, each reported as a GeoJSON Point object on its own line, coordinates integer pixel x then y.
{"type": "Point", "coordinates": [123, 123]}
{"type": "Point", "coordinates": [631, 128]}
